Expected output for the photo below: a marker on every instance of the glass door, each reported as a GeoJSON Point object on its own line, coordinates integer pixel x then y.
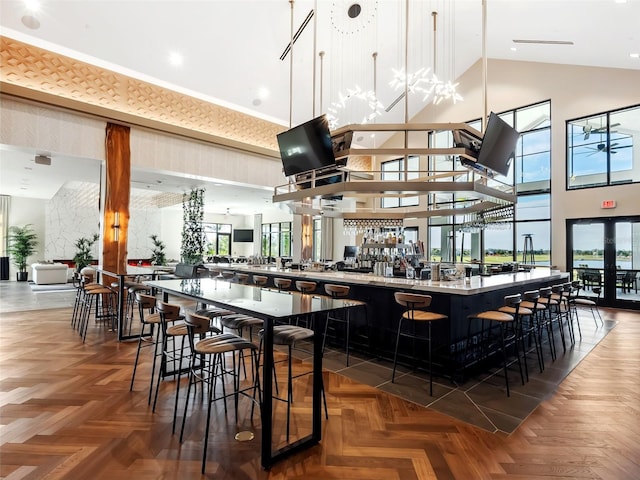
{"type": "Point", "coordinates": [604, 254]}
{"type": "Point", "coordinates": [627, 262]}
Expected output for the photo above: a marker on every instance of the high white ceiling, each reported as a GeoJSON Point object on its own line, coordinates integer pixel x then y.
{"type": "Point", "coordinates": [231, 48]}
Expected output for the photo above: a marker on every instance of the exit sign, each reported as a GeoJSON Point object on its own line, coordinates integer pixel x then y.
{"type": "Point", "coordinates": [608, 204]}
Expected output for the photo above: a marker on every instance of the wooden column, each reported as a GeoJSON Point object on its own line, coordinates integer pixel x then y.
{"type": "Point", "coordinates": [116, 198]}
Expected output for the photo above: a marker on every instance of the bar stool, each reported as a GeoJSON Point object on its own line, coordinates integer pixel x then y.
{"type": "Point", "coordinates": [341, 317]}
{"type": "Point", "coordinates": [227, 275]}
{"type": "Point", "coordinates": [103, 300]}
{"type": "Point", "coordinates": [306, 287]}
{"type": "Point", "coordinates": [169, 314]}
{"type": "Point", "coordinates": [532, 327]}
{"type": "Point", "coordinates": [211, 351]}
{"type": "Point", "coordinates": [592, 305]}
{"type": "Point", "coordinates": [260, 280]}
{"type": "Point", "coordinates": [282, 283]}
{"type": "Point", "coordinates": [570, 292]}
{"type": "Point", "coordinates": [414, 305]}
{"type": "Point", "coordinates": [288, 335]}
{"type": "Point", "coordinates": [242, 278]}
{"type": "Point", "coordinates": [146, 338]}
{"type": "Point", "coordinates": [132, 288]}
{"type": "Point", "coordinates": [547, 319]}
{"type": "Point", "coordinates": [507, 334]}
{"type": "Point", "coordinates": [560, 312]}
{"type": "Point", "coordinates": [512, 305]}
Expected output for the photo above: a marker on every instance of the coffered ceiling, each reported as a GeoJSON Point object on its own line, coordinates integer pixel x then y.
{"type": "Point", "coordinates": [229, 51]}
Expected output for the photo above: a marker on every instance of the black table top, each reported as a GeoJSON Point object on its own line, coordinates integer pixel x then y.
{"type": "Point", "coordinates": [251, 299]}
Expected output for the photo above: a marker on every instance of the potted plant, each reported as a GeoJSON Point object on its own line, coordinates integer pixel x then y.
{"type": "Point", "coordinates": [157, 252]}
{"type": "Point", "coordinates": [22, 244]}
{"type": "Point", "coordinates": [84, 256]}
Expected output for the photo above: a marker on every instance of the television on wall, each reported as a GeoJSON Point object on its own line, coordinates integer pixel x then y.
{"type": "Point", "coordinates": [306, 147]}
{"type": "Point", "coordinates": [497, 150]}
{"type": "Point", "coordinates": [241, 235]}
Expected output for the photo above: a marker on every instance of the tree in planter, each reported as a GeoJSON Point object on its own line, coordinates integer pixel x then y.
{"type": "Point", "coordinates": [193, 238]}
{"type": "Point", "coordinates": [22, 244]}
{"type": "Point", "coordinates": [84, 256]}
{"type": "Point", "coordinates": [157, 252]}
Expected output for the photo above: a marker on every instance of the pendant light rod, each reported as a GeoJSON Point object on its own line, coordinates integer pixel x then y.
{"type": "Point", "coordinates": [406, 61]}
{"type": "Point", "coordinates": [291, 69]}
{"type": "Point", "coordinates": [484, 65]}
{"type": "Point", "coordinates": [315, 48]}
{"type": "Point", "coordinates": [435, 58]}
{"type": "Point", "coordinates": [321, 55]}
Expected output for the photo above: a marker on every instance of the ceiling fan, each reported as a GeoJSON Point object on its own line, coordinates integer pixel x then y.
{"type": "Point", "coordinates": [602, 147]}
{"type": "Point", "coordinates": [588, 129]}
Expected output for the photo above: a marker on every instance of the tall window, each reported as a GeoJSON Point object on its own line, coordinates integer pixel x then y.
{"type": "Point", "coordinates": [530, 172]}
{"type": "Point", "coordinates": [217, 238]}
{"type": "Point", "coordinates": [395, 170]}
{"type": "Point", "coordinates": [276, 239]}
{"type": "Point", "coordinates": [600, 149]}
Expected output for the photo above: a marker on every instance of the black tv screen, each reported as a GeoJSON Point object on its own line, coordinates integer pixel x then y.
{"type": "Point", "coordinates": [306, 147]}
{"type": "Point", "coordinates": [242, 235]}
{"type": "Point", "coordinates": [350, 251]}
{"type": "Point", "coordinates": [498, 145]}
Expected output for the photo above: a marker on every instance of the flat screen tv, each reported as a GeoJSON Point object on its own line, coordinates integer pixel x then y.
{"type": "Point", "coordinates": [242, 235]}
{"type": "Point", "coordinates": [498, 145]}
{"type": "Point", "coordinates": [350, 251]}
{"type": "Point", "coordinates": [306, 147]}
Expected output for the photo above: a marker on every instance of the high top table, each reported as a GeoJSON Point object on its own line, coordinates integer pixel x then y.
{"type": "Point", "coordinates": [132, 271]}
{"type": "Point", "coordinates": [270, 306]}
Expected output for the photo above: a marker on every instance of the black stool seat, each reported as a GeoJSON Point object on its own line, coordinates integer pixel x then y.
{"type": "Point", "coordinates": [239, 322]}
{"type": "Point", "coordinates": [289, 334]}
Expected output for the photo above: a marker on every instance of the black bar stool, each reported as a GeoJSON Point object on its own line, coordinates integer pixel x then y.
{"type": "Point", "coordinates": [414, 305]}
{"type": "Point", "coordinates": [508, 335]}
{"type": "Point", "coordinates": [340, 317]}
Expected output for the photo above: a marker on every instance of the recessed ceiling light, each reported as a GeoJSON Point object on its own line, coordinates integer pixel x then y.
{"type": "Point", "coordinates": [31, 22]}
{"type": "Point", "coordinates": [263, 92]}
{"type": "Point", "coordinates": [175, 59]}
{"type": "Point", "coordinates": [634, 55]}
{"type": "Point", "coordinates": [621, 1]}
{"type": "Point", "coordinates": [513, 49]}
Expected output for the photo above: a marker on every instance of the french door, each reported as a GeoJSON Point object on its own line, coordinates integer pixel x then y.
{"type": "Point", "coordinates": [604, 254]}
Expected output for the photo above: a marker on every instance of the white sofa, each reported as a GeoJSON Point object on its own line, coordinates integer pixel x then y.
{"type": "Point", "coordinates": [46, 273]}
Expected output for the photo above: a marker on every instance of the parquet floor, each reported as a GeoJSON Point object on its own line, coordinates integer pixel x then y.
{"type": "Point", "coordinates": [66, 412]}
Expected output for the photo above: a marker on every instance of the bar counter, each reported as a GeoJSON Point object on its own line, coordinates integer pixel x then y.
{"type": "Point", "coordinates": [374, 330]}
{"type": "Point", "coordinates": [479, 284]}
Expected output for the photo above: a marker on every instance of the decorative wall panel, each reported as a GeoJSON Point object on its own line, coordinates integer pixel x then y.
{"type": "Point", "coordinates": [119, 96]}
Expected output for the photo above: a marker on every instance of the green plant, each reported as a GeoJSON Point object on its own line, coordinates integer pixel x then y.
{"type": "Point", "coordinates": [157, 252]}
{"type": "Point", "coordinates": [193, 238]}
{"type": "Point", "coordinates": [22, 244]}
{"type": "Point", "coordinates": [84, 256]}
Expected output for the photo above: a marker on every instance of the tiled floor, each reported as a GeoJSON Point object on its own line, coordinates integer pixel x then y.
{"type": "Point", "coordinates": [480, 400]}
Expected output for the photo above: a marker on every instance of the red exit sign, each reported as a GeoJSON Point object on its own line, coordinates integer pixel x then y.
{"type": "Point", "coordinates": [608, 204]}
